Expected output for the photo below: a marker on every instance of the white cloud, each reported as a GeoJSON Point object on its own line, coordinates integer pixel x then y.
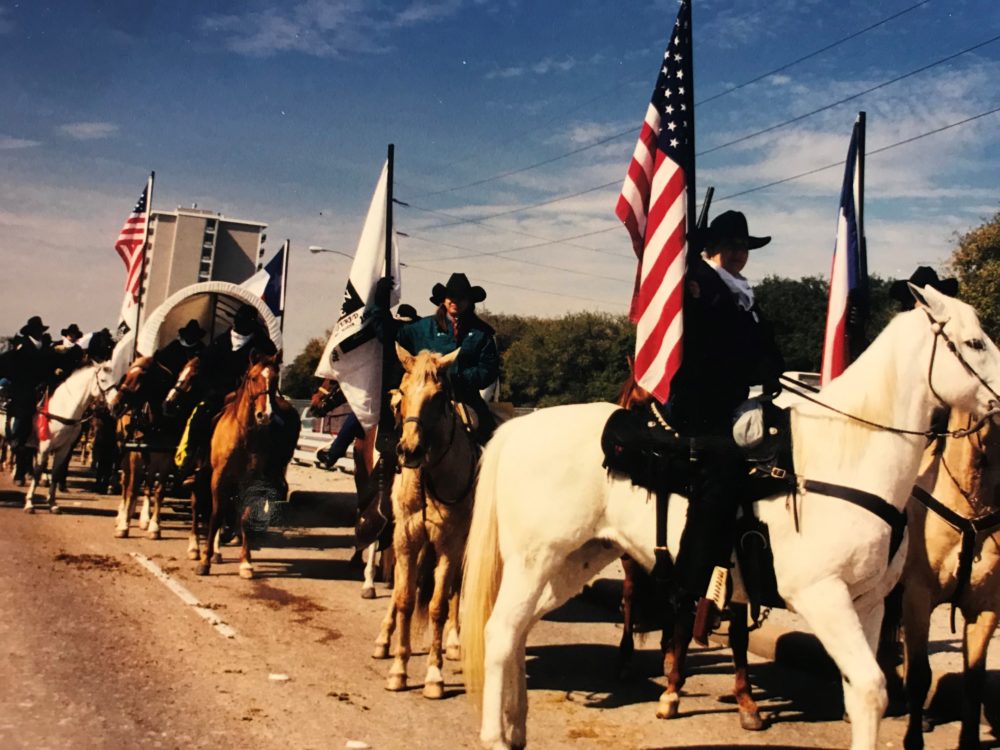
{"type": "Point", "coordinates": [88, 131]}
{"type": "Point", "coordinates": [542, 67]}
{"type": "Point", "coordinates": [9, 143]}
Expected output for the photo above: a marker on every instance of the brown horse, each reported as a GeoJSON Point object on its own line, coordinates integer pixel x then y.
{"type": "Point", "coordinates": [674, 643]}
{"type": "Point", "coordinates": [432, 504]}
{"type": "Point", "coordinates": [962, 476]}
{"type": "Point", "coordinates": [253, 442]}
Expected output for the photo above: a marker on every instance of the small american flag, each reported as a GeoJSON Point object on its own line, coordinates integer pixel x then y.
{"type": "Point", "coordinates": [130, 243]}
{"type": "Point", "coordinates": [654, 205]}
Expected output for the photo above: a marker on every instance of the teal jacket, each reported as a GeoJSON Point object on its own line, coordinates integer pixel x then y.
{"type": "Point", "coordinates": [478, 363]}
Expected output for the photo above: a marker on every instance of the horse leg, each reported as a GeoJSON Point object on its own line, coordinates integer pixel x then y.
{"type": "Point", "coordinates": [889, 650]}
{"type": "Point", "coordinates": [444, 572]}
{"type": "Point", "coordinates": [828, 608]}
{"type": "Point", "coordinates": [975, 643]}
{"type": "Point", "coordinates": [194, 545]}
{"type": "Point", "coordinates": [144, 511]}
{"type": "Point", "coordinates": [36, 473]}
{"type": "Point", "coordinates": [452, 642]}
{"type": "Point", "coordinates": [674, 662]}
{"type": "Point", "coordinates": [626, 647]}
{"type": "Point", "coordinates": [214, 527]}
{"type": "Point", "coordinates": [130, 491]}
{"type": "Point", "coordinates": [159, 485]}
{"type": "Point", "coordinates": [404, 596]}
{"type": "Point", "coordinates": [385, 631]}
{"type": "Point", "coordinates": [60, 468]}
{"type": "Point", "coordinates": [917, 607]}
{"type": "Point", "coordinates": [368, 587]}
{"type": "Point", "coordinates": [246, 564]}
{"type": "Point", "coordinates": [739, 638]}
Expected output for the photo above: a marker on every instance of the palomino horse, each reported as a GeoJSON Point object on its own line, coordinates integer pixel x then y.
{"type": "Point", "coordinates": [64, 413]}
{"type": "Point", "coordinates": [953, 556]}
{"type": "Point", "coordinates": [547, 514]}
{"type": "Point", "coordinates": [432, 505]}
{"type": "Point", "coordinates": [148, 429]}
{"type": "Point", "coordinates": [253, 441]}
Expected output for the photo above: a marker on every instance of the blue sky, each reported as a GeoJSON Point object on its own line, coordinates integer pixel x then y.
{"type": "Point", "coordinates": [282, 111]}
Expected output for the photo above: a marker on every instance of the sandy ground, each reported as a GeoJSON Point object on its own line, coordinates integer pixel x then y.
{"type": "Point", "coordinates": [98, 653]}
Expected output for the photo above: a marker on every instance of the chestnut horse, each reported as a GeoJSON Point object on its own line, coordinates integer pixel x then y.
{"type": "Point", "coordinates": [253, 441]}
{"type": "Point", "coordinates": [432, 505]}
{"type": "Point", "coordinates": [960, 521]}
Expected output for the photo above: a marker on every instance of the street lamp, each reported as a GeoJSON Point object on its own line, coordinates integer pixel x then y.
{"type": "Point", "coordinates": [317, 249]}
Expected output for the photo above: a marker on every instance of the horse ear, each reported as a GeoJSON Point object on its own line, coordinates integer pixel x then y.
{"type": "Point", "coordinates": [932, 299]}
{"type": "Point", "coordinates": [447, 359]}
{"type": "Point", "coordinates": [405, 358]}
{"type": "Point", "coordinates": [631, 363]}
{"type": "Point", "coordinates": [255, 357]}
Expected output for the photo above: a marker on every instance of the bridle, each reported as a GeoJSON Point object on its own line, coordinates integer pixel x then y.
{"type": "Point", "coordinates": [939, 333]}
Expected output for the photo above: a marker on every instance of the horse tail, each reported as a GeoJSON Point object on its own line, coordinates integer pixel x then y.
{"type": "Point", "coordinates": [483, 569]}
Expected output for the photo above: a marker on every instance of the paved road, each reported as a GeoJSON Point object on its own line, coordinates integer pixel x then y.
{"type": "Point", "coordinates": [98, 653]}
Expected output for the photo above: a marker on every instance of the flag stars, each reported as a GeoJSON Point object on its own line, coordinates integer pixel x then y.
{"type": "Point", "coordinates": [674, 143]}
{"type": "Point", "coordinates": [669, 109]}
{"type": "Point", "coordinates": [671, 125]}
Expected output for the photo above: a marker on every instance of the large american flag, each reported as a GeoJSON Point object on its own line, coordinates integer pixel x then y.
{"type": "Point", "coordinates": [654, 205]}
{"type": "Point", "coordinates": [130, 243]}
{"type": "Point", "coordinates": [849, 274]}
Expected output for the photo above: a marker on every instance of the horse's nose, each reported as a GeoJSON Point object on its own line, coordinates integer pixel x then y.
{"type": "Point", "coordinates": [262, 416]}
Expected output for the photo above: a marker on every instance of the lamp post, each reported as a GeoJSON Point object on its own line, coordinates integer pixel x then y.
{"type": "Point", "coordinates": [314, 249]}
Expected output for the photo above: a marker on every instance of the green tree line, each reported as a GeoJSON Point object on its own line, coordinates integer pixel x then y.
{"type": "Point", "coordinates": [581, 357]}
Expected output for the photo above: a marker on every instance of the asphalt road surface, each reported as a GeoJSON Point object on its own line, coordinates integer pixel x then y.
{"type": "Point", "coordinates": [97, 652]}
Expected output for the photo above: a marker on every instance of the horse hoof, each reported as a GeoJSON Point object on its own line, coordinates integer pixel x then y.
{"type": "Point", "coordinates": [246, 572]}
{"type": "Point", "coordinates": [203, 569]}
{"type": "Point", "coordinates": [121, 533]}
{"type": "Point", "coordinates": [143, 525]}
{"type": "Point", "coordinates": [434, 690]}
{"type": "Point", "coordinates": [154, 534]}
{"type": "Point", "coordinates": [751, 721]}
{"type": "Point", "coordinates": [368, 593]}
{"type": "Point", "coordinates": [396, 683]}
{"type": "Point", "coordinates": [217, 557]}
{"type": "Point", "coordinates": [381, 651]}
{"type": "Point", "coordinates": [453, 653]}
{"type": "Point", "coordinates": [29, 508]}
{"type": "Point", "coordinates": [668, 707]}
{"type": "Point", "coordinates": [193, 554]}
{"type": "Point", "coordinates": [55, 509]}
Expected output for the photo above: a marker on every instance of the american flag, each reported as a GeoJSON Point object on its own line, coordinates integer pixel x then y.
{"type": "Point", "coordinates": [654, 205]}
{"type": "Point", "coordinates": [130, 243]}
{"type": "Point", "coordinates": [849, 274]}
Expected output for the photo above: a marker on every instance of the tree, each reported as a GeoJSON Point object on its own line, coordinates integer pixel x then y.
{"type": "Point", "coordinates": [976, 264]}
{"type": "Point", "coordinates": [297, 379]}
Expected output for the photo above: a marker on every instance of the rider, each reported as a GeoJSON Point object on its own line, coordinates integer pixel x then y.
{"type": "Point", "coordinates": [68, 354]}
{"type": "Point", "coordinates": [923, 276]}
{"type": "Point", "coordinates": [225, 362]}
{"type": "Point", "coordinates": [28, 366]}
{"type": "Point", "coordinates": [455, 325]}
{"type": "Point", "coordinates": [728, 347]}
{"type": "Point", "coordinates": [182, 349]}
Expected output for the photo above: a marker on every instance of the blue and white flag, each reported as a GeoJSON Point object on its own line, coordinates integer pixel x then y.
{"type": "Point", "coordinates": [269, 282]}
{"type": "Point", "coordinates": [849, 275]}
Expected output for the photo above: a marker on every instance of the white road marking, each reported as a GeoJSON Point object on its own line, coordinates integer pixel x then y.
{"type": "Point", "coordinates": [185, 596]}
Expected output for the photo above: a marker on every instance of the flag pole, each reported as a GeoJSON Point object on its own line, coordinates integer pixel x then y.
{"type": "Point", "coordinates": [284, 285]}
{"type": "Point", "coordinates": [692, 187]}
{"type": "Point", "coordinates": [142, 263]}
{"type": "Point", "coordinates": [386, 421]}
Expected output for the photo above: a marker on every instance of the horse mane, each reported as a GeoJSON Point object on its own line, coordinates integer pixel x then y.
{"type": "Point", "coordinates": [425, 367]}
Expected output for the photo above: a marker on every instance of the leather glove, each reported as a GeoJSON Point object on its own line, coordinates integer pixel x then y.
{"type": "Point", "coordinates": [383, 287]}
{"type": "Point", "coordinates": [771, 388]}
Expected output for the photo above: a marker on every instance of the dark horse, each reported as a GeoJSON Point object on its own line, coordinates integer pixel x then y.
{"type": "Point", "coordinates": [640, 586]}
{"type": "Point", "coordinates": [252, 444]}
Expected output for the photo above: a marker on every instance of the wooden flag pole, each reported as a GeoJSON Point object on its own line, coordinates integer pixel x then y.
{"type": "Point", "coordinates": [142, 264]}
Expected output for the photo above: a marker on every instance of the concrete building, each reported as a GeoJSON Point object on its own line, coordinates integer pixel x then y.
{"type": "Point", "coordinates": [191, 245]}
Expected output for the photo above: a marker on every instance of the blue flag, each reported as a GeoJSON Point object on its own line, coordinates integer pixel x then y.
{"type": "Point", "coordinates": [269, 282]}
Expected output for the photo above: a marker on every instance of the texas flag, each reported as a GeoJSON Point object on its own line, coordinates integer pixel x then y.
{"type": "Point", "coordinates": [269, 282]}
{"type": "Point", "coordinates": [849, 275]}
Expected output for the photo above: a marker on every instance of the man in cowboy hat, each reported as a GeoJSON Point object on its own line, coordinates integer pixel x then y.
{"type": "Point", "coordinates": [455, 325]}
{"type": "Point", "coordinates": [28, 366]}
{"type": "Point", "coordinates": [68, 354]}
{"type": "Point", "coordinates": [923, 276]}
{"type": "Point", "coordinates": [728, 348]}
{"type": "Point", "coordinates": [182, 349]}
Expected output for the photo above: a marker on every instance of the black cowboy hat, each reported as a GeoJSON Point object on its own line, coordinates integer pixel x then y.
{"type": "Point", "coordinates": [247, 313]}
{"type": "Point", "coordinates": [34, 327]}
{"type": "Point", "coordinates": [728, 226]}
{"type": "Point", "coordinates": [407, 313]}
{"type": "Point", "coordinates": [923, 276]}
{"type": "Point", "coordinates": [458, 287]}
{"type": "Point", "coordinates": [191, 332]}
{"type": "Point", "coordinates": [72, 331]}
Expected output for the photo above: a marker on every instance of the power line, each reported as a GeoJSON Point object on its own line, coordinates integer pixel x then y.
{"type": "Point", "coordinates": [620, 134]}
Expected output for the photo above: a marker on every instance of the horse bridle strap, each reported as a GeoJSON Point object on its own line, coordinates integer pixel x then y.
{"type": "Point", "coordinates": [969, 528]}
{"type": "Point", "coordinates": [870, 502]}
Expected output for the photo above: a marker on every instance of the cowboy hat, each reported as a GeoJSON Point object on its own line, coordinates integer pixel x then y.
{"type": "Point", "coordinates": [71, 331]}
{"type": "Point", "coordinates": [192, 332]}
{"type": "Point", "coordinates": [406, 313]}
{"type": "Point", "coordinates": [923, 276]}
{"type": "Point", "coordinates": [34, 327]}
{"type": "Point", "coordinates": [458, 287]}
{"type": "Point", "coordinates": [730, 226]}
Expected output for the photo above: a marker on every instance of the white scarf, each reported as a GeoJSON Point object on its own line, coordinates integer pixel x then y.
{"type": "Point", "coordinates": [736, 284]}
{"type": "Point", "coordinates": [36, 342]}
{"type": "Point", "coordinates": [239, 340]}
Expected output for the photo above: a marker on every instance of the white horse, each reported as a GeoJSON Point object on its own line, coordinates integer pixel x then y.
{"type": "Point", "coordinates": [548, 516]}
{"type": "Point", "coordinates": [65, 411]}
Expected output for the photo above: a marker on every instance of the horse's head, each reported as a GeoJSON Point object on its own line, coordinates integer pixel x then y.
{"type": "Point", "coordinates": [131, 388]}
{"type": "Point", "coordinates": [261, 386]}
{"type": "Point", "coordinates": [327, 397]}
{"type": "Point", "coordinates": [964, 369]}
{"type": "Point", "coordinates": [424, 404]}
{"type": "Point", "coordinates": [184, 386]}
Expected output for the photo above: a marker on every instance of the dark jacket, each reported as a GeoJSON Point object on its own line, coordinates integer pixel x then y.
{"type": "Point", "coordinates": [478, 363]}
{"type": "Point", "coordinates": [224, 368]}
{"type": "Point", "coordinates": [726, 350]}
{"type": "Point", "coordinates": [28, 369]}
{"type": "Point", "coordinates": [65, 361]}
{"type": "Point", "coordinates": [175, 355]}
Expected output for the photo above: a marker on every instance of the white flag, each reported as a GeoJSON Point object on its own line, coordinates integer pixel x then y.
{"type": "Point", "coordinates": [353, 355]}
